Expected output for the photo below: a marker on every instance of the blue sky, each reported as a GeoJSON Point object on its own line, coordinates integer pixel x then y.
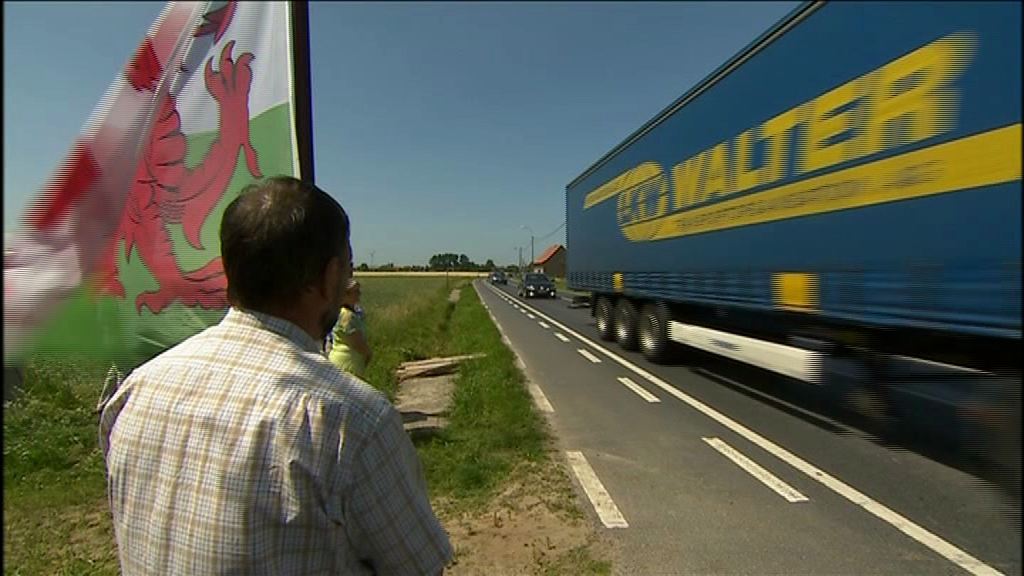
{"type": "Point", "coordinates": [441, 127]}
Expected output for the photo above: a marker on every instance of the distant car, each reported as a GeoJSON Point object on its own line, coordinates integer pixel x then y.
{"type": "Point", "coordinates": [535, 284]}
{"type": "Point", "coordinates": [498, 277]}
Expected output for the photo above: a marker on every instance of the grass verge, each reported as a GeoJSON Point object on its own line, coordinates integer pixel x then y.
{"type": "Point", "coordinates": [492, 423]}
{"type": "Point", "coordinates": [55, 508]}
{"type": "Point", "coordinates": [56, 518]}
{"type": "Point", "coordinates": [405, 318]}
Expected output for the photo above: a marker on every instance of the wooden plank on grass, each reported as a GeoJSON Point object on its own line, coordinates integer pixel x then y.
{"type": "Point", "coordinates": [442, 360]}
{"type": "Point", "coordinates": [432, 367]}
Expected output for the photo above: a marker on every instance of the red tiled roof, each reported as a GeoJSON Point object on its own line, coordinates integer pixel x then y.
{"type": "Point", "coordinates": [547, 254]}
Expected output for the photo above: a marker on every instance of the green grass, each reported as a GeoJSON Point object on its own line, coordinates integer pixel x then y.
{"type": "Point", "coordinates": [405, 316]}
{"type": "Point", "coordinates": [56, 518]}
{"type": "Point", "coordinates": [493, 425]}
{"type": "Point", "coordinates": [55, 510]}
{"type": "Point", "coordinates": [576, 562]}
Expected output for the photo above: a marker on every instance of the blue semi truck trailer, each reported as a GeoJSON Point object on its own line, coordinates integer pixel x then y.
{"type": "Point", "coordinates": [839, 203]}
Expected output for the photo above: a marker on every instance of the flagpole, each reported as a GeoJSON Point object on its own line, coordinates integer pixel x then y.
{"type": "Point", "coordinates": [303, 87]}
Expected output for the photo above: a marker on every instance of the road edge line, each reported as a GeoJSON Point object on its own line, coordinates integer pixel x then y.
{"type": "Point", "coordinates": [540, 400]}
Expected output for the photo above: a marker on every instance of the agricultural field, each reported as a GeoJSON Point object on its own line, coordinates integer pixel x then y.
{"type": "Point", "coordinates": [426, 274]}
{"type": "Point", "coordinates": [493, 459]}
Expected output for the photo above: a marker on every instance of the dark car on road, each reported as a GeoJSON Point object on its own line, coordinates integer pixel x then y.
{"type": "Point", "coordinates": [498, 277]}
{"type": "Point", "coordinates": [535, 284]}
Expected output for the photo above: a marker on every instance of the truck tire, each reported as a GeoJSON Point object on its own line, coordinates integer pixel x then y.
{"type": "Point", "coordinates": [653, 332]}
{"type": "Point", "coordinates": [605, 322]}
{"type": "Point", "coordinates": [626, 325]}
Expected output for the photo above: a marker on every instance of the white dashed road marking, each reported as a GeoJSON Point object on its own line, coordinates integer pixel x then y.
{"type": "Point", "coordinates": [752, 468]}
{"type": "Point", "coordinates": [920, 534]}
{"type": "Point", "coordinates": [638, 389]}
{"type": "Point", "coordinates": [603, 504]}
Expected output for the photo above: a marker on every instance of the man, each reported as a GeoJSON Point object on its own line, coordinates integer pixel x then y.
{"type": "Point", "coordinates": [243, 450]}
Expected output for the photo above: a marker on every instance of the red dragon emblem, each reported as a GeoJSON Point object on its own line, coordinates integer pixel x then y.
{"type": "Point", "coordinates": [165, 191]}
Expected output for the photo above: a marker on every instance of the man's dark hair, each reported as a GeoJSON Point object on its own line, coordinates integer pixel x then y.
{"type": "Point", "coordinates": [276, 240]}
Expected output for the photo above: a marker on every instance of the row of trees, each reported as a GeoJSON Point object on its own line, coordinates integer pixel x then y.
{"type": "Point", "coordinates": [390, 267]}
{"type": "Point", "coordinates": [447, 261]}
{"type": "Point", "coordinates": [458, 263]}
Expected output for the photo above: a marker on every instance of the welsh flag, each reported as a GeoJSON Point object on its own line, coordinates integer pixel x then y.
{"type": "Point", "coordinates": [118, 256]}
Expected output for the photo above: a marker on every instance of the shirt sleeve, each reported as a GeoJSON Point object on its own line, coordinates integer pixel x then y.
{"type": "Point", "coordinates": [110, 405]}
{"type": "Point", "coordinates": [347, 324]}
{"type": "Point", "coordinates": [389, 517]}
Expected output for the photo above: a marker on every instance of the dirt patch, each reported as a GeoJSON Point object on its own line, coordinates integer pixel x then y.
{"type": "Point", "coordinates": [80, 540]}
{"type": "Point", "coordinates": [425, 393]}
{"type": "Point", "coordinates": [423, 404]}
{"type": "Point", "coordinates": [533, 526]}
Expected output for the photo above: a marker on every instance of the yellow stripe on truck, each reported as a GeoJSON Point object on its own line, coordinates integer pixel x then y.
{"type": "Point", "coordinates": [617, 283]}
{"type": "Point", "coordinates": [641, 177]}
{"type": "Point", "coordinates": [796, 291]}
{"type": "Point", "coordinates": [985, 159]}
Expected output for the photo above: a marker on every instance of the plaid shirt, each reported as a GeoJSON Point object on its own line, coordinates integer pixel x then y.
{"type": "Point", "coordinates": [244, 451]}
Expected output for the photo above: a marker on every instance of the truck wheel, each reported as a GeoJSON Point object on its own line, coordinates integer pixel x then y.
{"type": "Point", "coordinates": [603, 315]}
{"type": "Point", "coordinates": [625, 324]}
{"type": "Point", "coordinates": [654, 341]}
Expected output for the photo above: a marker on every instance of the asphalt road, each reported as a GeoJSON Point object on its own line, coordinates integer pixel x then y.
{"type": "Point", "coordinates": [744, 475]}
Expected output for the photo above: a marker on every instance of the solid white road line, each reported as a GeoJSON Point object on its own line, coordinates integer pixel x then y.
{"type": "Point", "coordinates": [544, 325]}
{"type": "Point", "coordinates": [586, 354]}
{"type": "Point", "coordinates": [789, 406]}
{"type": "Point", "coordinates": [603, 504]}
{"type": "Point", "coordinates": [923, 536]}
{"type": "Point", "coordinates": [535, 392]}
{"type": "Point", "coordinates": [638, 389]}
{"type": "Point", "coordinates": [539, 398]}
{"type": "Point", "coordinates": [561, 337]}
{"type": "Point", "coordinates": [752, 468]}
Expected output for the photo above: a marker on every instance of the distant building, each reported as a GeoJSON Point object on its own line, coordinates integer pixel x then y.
{"type": "Point", "coordinates": [552, 262]}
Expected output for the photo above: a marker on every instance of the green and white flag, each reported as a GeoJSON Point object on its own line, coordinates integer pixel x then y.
{"type": "Point", "coordinates": [118, 257]}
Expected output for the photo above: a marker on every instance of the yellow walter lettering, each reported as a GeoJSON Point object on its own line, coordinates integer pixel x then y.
{"type": "Point", "coordinates": [686, 179]}
{"type": "Point", "coordinates": [744, 177]}
{"type": "Point", "coordinates": [717, 180]}
{"type": "Point", "coordinates": [909, 99]}
{"type": "Point", "coordinates": [824, 124]}
{"type": "Point", "coordinates": [777, 132]}
{"type": "Point", "coordinates": [902, 115]}
{"type": "Point", "coordinates": [984, 159]}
